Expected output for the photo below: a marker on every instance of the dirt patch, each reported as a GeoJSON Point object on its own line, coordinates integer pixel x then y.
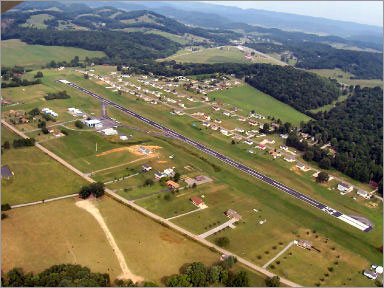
{"type": "Point", "coordinates": [90, 207]}
{"type": "Point", "coordinates": [161, 162]}
{"type": "Point", "coordinates": [296, 170]}
{"type": "Point", "coordinates": [134, 149]}
{"type": "Point", "coordinates": [172, 238]}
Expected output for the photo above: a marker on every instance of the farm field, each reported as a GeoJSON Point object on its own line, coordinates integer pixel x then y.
{"type": "Point", "coordinates": [249, 98]}
{"type": "Point", "coordinates": [344, 77]}
{"type": "Point", "coordinates": [211, 55]}
{"type": "Point", "coordinates": [14, 52]}
{"type": "Point", "coordinates": [36, 175]}
{"type": "Point", "coordinates": [37, 21]}
{"type": "Point", "coordinates": [146, 245]}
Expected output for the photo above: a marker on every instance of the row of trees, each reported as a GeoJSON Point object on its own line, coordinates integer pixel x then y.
{"type": "Point", "coordinates": [198, 275]}
{"type": "Point", "coordinates": [17, 143]}
{"type": "Point", "coordinates": [64, 275]}
{"type": "Point", "coordinates": [58, 95]}
{"type": "Point", "coordinates": [16, 81]}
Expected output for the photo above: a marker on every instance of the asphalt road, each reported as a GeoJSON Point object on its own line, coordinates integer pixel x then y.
{"type": "Point", "coordinates": [229, 161]}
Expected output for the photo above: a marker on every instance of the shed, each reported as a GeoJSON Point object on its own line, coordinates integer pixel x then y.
{"type": "Point", "coordinates": [233, 214]}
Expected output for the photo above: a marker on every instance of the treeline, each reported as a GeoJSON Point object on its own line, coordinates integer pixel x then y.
{"type": "Point", "coordinates": [310, 55]}
{"type": "Point", "coordinates": [198, 275]}
{"type": "Point", "coordinates": [120, 47]}
{"type": "Point", "coordinates": [17, 143]}
{"type": "Point", "coordinates": [64, 275]}
{"type": "Point", "coordinates": [59, 95]}
{"type": "Point", "coordinates": [17, 82]}
{"type": "Point", "coordinates": [299, 89]}
{"type": "Point", "coordinates": [354, 128]}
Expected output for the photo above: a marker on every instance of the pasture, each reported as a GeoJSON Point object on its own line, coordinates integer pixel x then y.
{"type": "Point", "coordinates": [36, 176]}
{"type": "Point", "coordinates": [249, 98]}
{"type": "Point", "coordinates": [14, 52]}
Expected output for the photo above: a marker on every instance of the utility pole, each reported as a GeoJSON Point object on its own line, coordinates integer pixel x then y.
{"type": "Point", "coordinates": [96, 146]}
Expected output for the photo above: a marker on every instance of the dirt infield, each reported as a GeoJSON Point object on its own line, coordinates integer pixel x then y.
{"type": "Point", "coordinates": [89, 206]}
{"type": "Point", "coordinates": [134, 149]}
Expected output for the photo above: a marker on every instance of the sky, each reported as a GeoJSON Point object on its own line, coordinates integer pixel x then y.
{"type": "Point", "coordinates": [364, 12]}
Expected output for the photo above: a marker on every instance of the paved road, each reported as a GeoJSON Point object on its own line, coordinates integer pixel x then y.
{"type": "Point", "coordinates": [154, 216]}
{"type": "Point", "coordinates": [218, 228]}
{"type": "Point", "coordinates": [278, 255]}
{"type": "Point", "coordinates": [229, 161]}
{"type": "Point", "coordinates": [42, 202]}
{"type": "Point", "coordinates": [180, 215]}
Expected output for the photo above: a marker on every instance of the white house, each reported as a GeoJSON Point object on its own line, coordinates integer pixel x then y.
{"type": "Point", "coordinates": [93, 123]}
{"type": "Point", "coordinates": [364, 194]}
{"type": "Point", "coordinates": [344, 188]}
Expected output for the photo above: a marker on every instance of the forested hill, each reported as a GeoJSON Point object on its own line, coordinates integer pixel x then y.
{"type": "Point", "coordinates": [297, 88]}
{"type": "Point", "coordinates": [310, 55]}
{"type": "Point", "coordinates": [355, 128]}
{"type": "Point", "coordinates": [120, 47]}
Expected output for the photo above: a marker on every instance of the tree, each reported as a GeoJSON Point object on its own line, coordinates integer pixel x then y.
{"type": "Point", "coordinates": [194, 185]}
{"type": "Point", "coordinates": [273, 281]}
{"type": "Point", "coordinates": [86, 76]}
{"type": "Point", "coordinates": [233, 142]}
{"type": "Point", "coordinates": [222, 241]}
{"type": "Point", "coordinates": [44, 130]}
{"type": "Point", "coordinates": [229, 262]}
{"type": "Point", "coordinates": [34, 112]}
{"type": "Point", "coordinates": [78, 124]}
{"type": "Point", "coordinates": [5, 207]}
{"type": "Point", "coordinates": [6, 145]}
{"type": "Point", "coordinates": [176, 178]}
{"type": "Point", "coordinates": [39, 74]}
{"type": "Point", "coordinates": [85, 192]}
{"type": "Point", "coordinates": [197, 274]}
{"type": "Point", "coordinates": [148, 182]}
{"type": "Point", "coordinates": [214, 274]}
{"type": "Point", "coordinates": [180, 280]}
{"type": "Point", "coordinates": [240, 279]}
{"type": "Point", "coordinates": [322, 177]}
{"type": "Point", "coordinates": [325, 163]}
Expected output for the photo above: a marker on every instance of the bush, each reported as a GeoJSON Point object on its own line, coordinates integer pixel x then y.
{"type": "Point", "coordinates": [167, 197]}
{"type": "Point", "coordinates": [272, 281]}
{"type": "Point", "coordinates": [44, 130]}
{"type": "Point", "coordinates": [148, 182]}
{"type": "Point", "coordinates": [222, 241]}
{"type": "Point", "coordinates": [5, 207]}
{"type": "Point", "coordinates": [64, 132]}
{"type": "Point", "coordinates": [23, 142]}
{"type": "Point", "coordinates": [3, 216]}
{"type": "Point", "coordinates": [79, 124]}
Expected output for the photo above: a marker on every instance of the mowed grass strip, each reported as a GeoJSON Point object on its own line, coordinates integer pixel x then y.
{"type": "Point", "coordinates": [14, 52]}
{"type": "Point", "coordinates": [249, 98]}
{"type": "Point", "coordinates": [150, 249]}
{"type": "Point", "coordinates": [36, 176]}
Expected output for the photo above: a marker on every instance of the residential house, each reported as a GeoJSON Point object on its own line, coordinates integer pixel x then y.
{"type": "Point", "coordinates": [206, 124]}
{"type": "Point", "coordinates": [215, 108]}
{"type": "Point", "coordinates": [370, 274]}
{"type": "Point", "coordinates": [248, 142]}
{"type": "Point", "coordinates": [282, 147]}
{"type": "Point", "coordinates": [93, 123]}
{"type": "Point", "coordinates": [242, 119]}
{"type": "Point", "coordinates": [364, 194]}
{"type": "Point", "coordinates": [159, 175]}
{"type": "Point", "coordinates": [344, 188]}
{"type": "Point", "coordinates": [302, 167]}
{"type": "Point", "coordinates": [289, 159]}
{"type": "Point", "coordinates": [173, 185]}
{"type": "Point", "coordinates": [198, 202]}
{"type": "Point", "coordinates": [241, 130]}
{"type": "Point", "coordinates": [261, 147]}
{"type": "Point", "coordinates": [169, 172]}
{"type": "Point", "coordinates": [233, 214]}
{"type": "Point", "coordinates": [109, 131]}
{"type": "Point", "coordinates": [304, 244]}
{"type": "Point", "coordinates": [146, 167]}
{"type": "Point", "coordinates": [144, 150]}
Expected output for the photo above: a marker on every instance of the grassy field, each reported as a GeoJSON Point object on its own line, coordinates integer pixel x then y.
{"type": "Point", "coordinates": [151, 250]}
{"type": "Point", "coordinates": [211, 55]}
{"type": "Point", "coordinates": [344, 77]}
{"type": "Point", "coordinates": [37, 21]}
{"type": "Point", "coordinates": [37, 176]}
{"type": "Point", "coordinates": [249, 98]}
{"type": "Point", "coordinates": [14, 52]}
{"type": "Point", "coordinates": [330, 106]}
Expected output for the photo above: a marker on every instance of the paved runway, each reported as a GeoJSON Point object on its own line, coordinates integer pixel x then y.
{"type": "Point", "coordinates": [231, 162]}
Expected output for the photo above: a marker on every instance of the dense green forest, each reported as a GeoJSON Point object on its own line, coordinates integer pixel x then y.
{"type": "Point", "coordinates": [300, 89]}
{"type": "Point", "coordinates": [364, 65]}
{"type": "Point", "coordinates": [355, 130]}
{"type": "Point", "coordinates": [65, 275]}
{"type": "Point", "coordinates": [120, 47]}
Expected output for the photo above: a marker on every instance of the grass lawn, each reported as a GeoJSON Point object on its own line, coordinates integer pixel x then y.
{"type": "Point", "coordinates": [249, 98]}
{"type": "Point", "coordinates": [211, 55]}
{"type": "Point", "coordinates": [151, 250]}
{"type": "Point", "coordinates": [37, 176]}
{"type": "Point", "coordinates": [37, 21]}
{"type": "Point", "coordinates": [14, 52]}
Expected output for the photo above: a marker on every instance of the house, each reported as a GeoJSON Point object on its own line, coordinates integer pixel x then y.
{"type": "Point", "coordinates": [169, 172]}
{"type": "Point", "coordinates": [261, 147]}
{"type": "Point", "coordinates": [233, 214]}
{"type": "Point", "coordinates": [225, 132]}
{"type": "Point", "coordinates": [302, 167]}
{"type": "Point", "coordinates": [93, 123]}
{"type": "Point", "coordinates": [237, 138]}
{"type": "Point", "coordinates": [173, 185]}
{"type": "Point", "coordinates": [241, 130]}
{"type": "Point", "coordinates": [6, 173]}
{"type": "Point", "coordinates": [206, 124]}
{"type": "Point", "coordinates": [242, 119]}
{"type": "Point", "coordinates": [344, 188]}
{"type": "Point", "coordinates": [370, 274]}
{"type": "Point", "coordinates": [248, 142]}
{"type": "Point", "coordinates": [109, 131]}
{"type": "Point", "coordinates": [215, 108]}
{"type": "Point", "coordinates": [282, 147]}
{"type": "Point", "coordinates": [253, 123]}
{"type": "Point", "coordinates": [123, 137]}
{"type": "Point", "coordinates": [284, 136]}
{"type": "Point", "coordinates": [274, 153]}
{"type": "Point", "coordinates": [57, 134]}
{"type": "Point", "coordinates": [144, 150]}
{"type": "Point", "coordinates": [24, 120]}
{"type": "Point", "coordinates": [226, 113]}
{"type": "Point", "coordinates": [364, 194]}
{"type": "Point", "coordinates": [146, 167]}
{"type": "Point", "coordinates": [217, 121]}
{"type": "Point", "coordinates": [214, 127]}
{"type": "Point", "coordinates": [198, 202]}
{"type": "Point", "coordinates": [304, 244]}
{"type": "Point", "coordinates": [289, 159]}
{"type": "Point", "coordinates": [159, 175]}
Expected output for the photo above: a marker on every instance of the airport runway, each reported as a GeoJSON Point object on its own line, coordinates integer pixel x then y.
{"type": "Point", "coordinates": [231, 162]}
